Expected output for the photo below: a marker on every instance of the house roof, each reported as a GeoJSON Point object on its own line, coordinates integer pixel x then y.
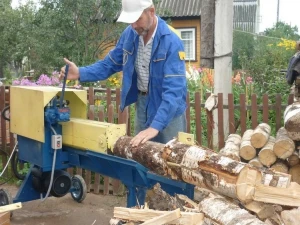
{"type": "Point", "coordinates": [179, 8]}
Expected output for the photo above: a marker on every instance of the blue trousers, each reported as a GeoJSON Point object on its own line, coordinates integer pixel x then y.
{"type": "Point", "coordinates": [167, 134]}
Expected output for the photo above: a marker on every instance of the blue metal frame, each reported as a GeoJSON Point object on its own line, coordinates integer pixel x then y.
{"type": "Point", "coordinates": [133, 175]}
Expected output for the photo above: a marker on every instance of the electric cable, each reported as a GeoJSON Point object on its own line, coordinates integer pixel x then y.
{"type": "Point", "coordinates": [52, 171]}
{"type": "Point", "coordinates": [9, 159]}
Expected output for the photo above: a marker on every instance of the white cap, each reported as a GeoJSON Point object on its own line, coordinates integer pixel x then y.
{"type": "Point", "coordinates": [133, 9]}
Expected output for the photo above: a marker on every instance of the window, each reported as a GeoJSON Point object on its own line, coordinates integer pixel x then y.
{"type": "Point", "coordinates": [188, 37]}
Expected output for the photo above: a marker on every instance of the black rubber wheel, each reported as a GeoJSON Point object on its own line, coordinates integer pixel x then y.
{"type": "Point", "coordinates": [5, 199]}
{"type": "Point", "coordinates": [6, 113]}
{"type": "Point", "coordinates": [79, 189]}
{"type": "Point", "coordinates": [15, 164]}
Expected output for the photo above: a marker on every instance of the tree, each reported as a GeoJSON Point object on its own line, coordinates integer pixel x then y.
{"type": "Point", "coordinates": [78, 29]}
{"type": "Point", "coordinates": [283, 30]}
{"type": "Point", "coordinates": [8, 26]}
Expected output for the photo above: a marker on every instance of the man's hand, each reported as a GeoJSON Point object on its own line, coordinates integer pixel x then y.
{"type": "Point", "coordinates": [73, 73]}
{"type": "Point", "coordinates": [143, 136]}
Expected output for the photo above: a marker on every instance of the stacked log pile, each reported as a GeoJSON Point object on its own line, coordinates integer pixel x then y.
{"type": "Point", "coordinates": [258, 148]}
{"type": "Point", "coordinates": [261, 191]}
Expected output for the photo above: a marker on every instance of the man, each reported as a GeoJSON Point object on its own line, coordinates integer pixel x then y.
{"type": "Point", "coordinates": [151, 56]}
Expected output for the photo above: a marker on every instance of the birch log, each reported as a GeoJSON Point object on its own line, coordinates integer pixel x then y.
{"type": "Point", "coordinates": [293, 159]}
{"type": "Point", "coordinates": [220, 210]}
{"type": "Point", "coordinates": [284, 146]}
{"type": "Point", "coordinates": [260, 135]}
{"type": "Point", "coordinates": [295, 173]}
{"type": "Point", "coordinates": [255, 162]}
{"type": "Point", "coordinates": [247, 151]}
{"type": "Point", "coordinates": [292, 121]}
{"type": "Point", "coordinates": [204, 168]}
{"type": "Point", "coordinates": [148, 154]}
{"type": "Point", "coordinates": [232, 147]}
{"type": "Point", "coordinates": [266, 155]}
{"type": "Point", "coordinates": [280, 166]}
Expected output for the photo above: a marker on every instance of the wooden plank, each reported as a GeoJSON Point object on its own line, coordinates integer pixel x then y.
{"type": "Point", "coordinates": [220, 121]}
{"type": "Point", "coordinates": [118, 98]}
{"type": "Point", "coordinates": [254, 111]}
{"type": "Point", "coordinates": [2, 121]}
{"type": "Point", "coordinates": [10, 207]}
{"type": "Point", "coordinates": [129, 121]}
{"type": "Point", "coordinates": [5, 218]}
{"type": "Point", "coordinates": [110, 119]}
{"type": "Point", "coordinates": [188, 113]}
{"type": "Point", "coordinates": [91, 96]}
{"type": "Point", "coordinates": [198, 118]}
{"type": "Point", "coordinates": [105, 178]}
{"type": "Point", "coordinates": [108, 97]}
{"type": "Point", "coordinates": [290, 99]}
{"type": "Point", "coordinates": [163, 219]}
{"type": "Point", "coordinates": [265, 108]}
{"type": "Point", "coordinates": [3, 129]}
{"type": "Point", "coordinates": [278, 113]}
{"type": "Point", "coordinates": [243, 114]}
{"type": "Point", "coordinates": [187, 218]}
{"type": "Point", "coordinates": [231, 114]}
{"type": "Point", "coordinates": [210, 125]}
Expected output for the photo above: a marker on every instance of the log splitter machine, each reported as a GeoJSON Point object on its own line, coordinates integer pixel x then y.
{"type": "Point", "coordinates": [53, 135]}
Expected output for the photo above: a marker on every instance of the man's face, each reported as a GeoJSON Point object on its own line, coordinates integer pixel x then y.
{"type": "Point", "coordinates": [144, 23]}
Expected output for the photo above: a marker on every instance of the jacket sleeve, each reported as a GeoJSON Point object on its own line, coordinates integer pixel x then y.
{"type": "Point", "coordinates": [102, 69]}
{"type": "Point", "coordinates": [174, 87]}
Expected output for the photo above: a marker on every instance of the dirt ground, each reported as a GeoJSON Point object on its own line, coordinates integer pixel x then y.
{"type": "Point", "coordinates": [94, 210]}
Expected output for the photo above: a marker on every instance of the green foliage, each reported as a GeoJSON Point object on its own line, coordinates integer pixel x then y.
{"type": "Point", "coordinates": [283, 30]}
{"type": "Point", "coordinates": [263, 58]}
{"type": "Point", "coordinates": [243, 47]}
{"type": "Point", "coordinates": [80, 30]}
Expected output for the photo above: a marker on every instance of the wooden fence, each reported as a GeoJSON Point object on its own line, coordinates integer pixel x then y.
{"type": "Point", "coordinates": [205, 125]}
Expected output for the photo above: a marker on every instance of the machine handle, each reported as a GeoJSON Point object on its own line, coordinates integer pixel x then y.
{"type": "Point", "coordinates": [64, 87]}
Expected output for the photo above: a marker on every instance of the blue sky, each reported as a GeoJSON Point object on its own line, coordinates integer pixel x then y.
{"type": "Point", "coordinates": [289, 12]}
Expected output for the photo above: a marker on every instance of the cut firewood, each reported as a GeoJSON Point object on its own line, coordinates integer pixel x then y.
{"type": "Point", "coordinates": [224, 212]}
{"type": "Point", "coordinates": [158, 199]}
{"type": "Point", "coordinates": [164, 219]}
{"type": "Point", "coordinates": [148, 154]}
{"type": "Point", "coordinates": [291, 121]}
{"type": "Point", "coordinates": [10, 207]}
{"type": "Point", "coordinates": [291, 217]}
{"type": "Point", "coordinates": [5, 218]}
{"type": "Point", "coordinates": [187, 218]}
{"type": "Point", "coordinates": [204, 168]}
{"type": "Point", "coordinates": [247, 151]}
{"type": "Point", "coordinates": [295, 173]}
{"type": "Point", "coordinates": [208, 221]}
{"type": "Point", "coordinates": [280, 166]}
{"type": "Point", "coordinates": [255, 162]}
{"type": "Point", "coordinates": [293, 160]}
{"type": "Point", "coordinates": [266, 154]}
{"type": "Point", "coordinates": [232, 147]}
{"type": "Point", "coordinates": [284, 146]}
{"type": "Point", "coordinates": [260, 135]}
{"type": "Point", "coordinates": [275, 188]}
{"type": "Point", "coordinates": [262, 210]}
{"type": "Point", "coordinates": [289, 196]}
{"type": "Point", "coordinates": [274, 220]}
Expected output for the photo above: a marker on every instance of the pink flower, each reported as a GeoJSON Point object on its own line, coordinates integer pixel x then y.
{"type": "Point", "coordinates": [249, 80]}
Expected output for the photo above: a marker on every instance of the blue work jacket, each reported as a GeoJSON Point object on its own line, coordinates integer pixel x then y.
{"type": "Point", "coordinates": [167, 86]}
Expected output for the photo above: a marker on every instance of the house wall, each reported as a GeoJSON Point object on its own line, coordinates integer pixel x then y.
{"type": "Point", "coordinates": [190, 24]}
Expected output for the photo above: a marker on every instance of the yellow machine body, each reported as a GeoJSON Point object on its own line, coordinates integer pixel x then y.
{"type": "Point", "coordinates": [27, 105]}
{"type": "Point", "coordinates": [91, 135]}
